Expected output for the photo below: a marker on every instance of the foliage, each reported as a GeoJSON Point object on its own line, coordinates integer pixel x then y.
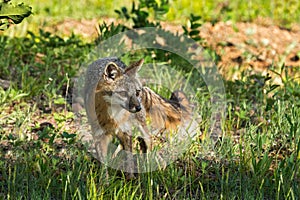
{"type": "Point", "coordinates": [42, 156]}
{"type": "Point", "coordinates": [139, 14]}
{"type": "Point", "coordinates": [192, 31]}
{"type": "Point", "coordinates": [12, 14]}
{"type": "Point", "coordinates": [283, 13]}
{"type": "Point", "coordinates": [258, 156]}
{"type": "Point", "coordinates": [46, 56]}
{"type": "Point", "coordinates": [106, 31]}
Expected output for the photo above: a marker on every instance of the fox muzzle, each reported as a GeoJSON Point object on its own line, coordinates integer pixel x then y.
{"type": "Point", "coordinates": [134, 105]}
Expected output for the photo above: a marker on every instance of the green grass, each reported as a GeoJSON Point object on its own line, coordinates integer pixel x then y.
{"type": "Point", "coordinates": [47, 13]}
{"type": "Point", "coordinates": [257, 158]}
{"type": "Point", "coordinates": [42, 157]}
{"type": "Point", "coordinates": [72, 9]}
{"type": "Point", "coordinates": [282, 12]}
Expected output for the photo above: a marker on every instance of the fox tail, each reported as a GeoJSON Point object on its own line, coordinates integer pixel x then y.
{"type": "Point", "coordinates": [179, 99]}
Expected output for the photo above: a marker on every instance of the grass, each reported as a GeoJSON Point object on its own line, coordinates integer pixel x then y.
{"type": "Point", "coordinates": [258, 156]}
{"type": "Point", "coordinates": [47, 13]}
{"type": "Point", "coordinates": [282, 12]}
{"type": "Point", "coordinates": [42, 157]}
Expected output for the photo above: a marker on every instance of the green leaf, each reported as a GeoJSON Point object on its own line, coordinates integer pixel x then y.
{"type": "Point", "coordinates": [273, 87]}
{"type": "Point", "coordinates": [194, 32]}
{"type": "Point", "coordinates": [13, 13]}
{"type": "Point", "coordinates": [195, 17]}
{"type": "Point", "coordinates": [185, 29]}
{"type": "Point", "coordinates": [196, 25]}
{"type": "Point", "coordinates": [68, 135]}
{"type": "Point", "coordinates": [18, 96]}
{"type": "Point", "coordinates": [59, 101]}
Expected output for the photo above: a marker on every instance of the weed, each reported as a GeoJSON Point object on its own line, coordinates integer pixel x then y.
{"type": "Point", "coordinates": [140, 12]}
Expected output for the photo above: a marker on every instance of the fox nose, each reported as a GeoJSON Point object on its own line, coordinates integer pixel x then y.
{"type": "Point", "coordinates": [138, 108]}
{"type": "Point", "coordinates": [134, 105]}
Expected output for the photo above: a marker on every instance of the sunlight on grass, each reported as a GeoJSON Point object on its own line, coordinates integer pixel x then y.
{"type": "Point", "coordinates": [48, 13]}
{"type": "Point", "coordinates": [41, 153]}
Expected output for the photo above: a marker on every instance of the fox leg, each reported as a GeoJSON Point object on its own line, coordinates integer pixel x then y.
{"type": "Point", "coordinates": [145, 141]}
{"type": "Point", "coordinates": [126, 143]}
{"type": "Point", "coordinates": [118, 149]}
{"type": "Point", "coordinates": [101, 145]}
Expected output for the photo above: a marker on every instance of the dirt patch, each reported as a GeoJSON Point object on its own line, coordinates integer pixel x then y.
{"type": "Point", "coordinates": [253, 45]}
{"type": "Point", "coordinates": [257, 45]}
{"type": "Point", "coordinates": [86, 28]}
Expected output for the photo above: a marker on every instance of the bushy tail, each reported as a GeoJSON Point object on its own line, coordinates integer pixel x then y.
{"type": "Point", "coordinates": [179, 99]}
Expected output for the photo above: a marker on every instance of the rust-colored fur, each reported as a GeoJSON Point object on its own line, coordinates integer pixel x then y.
{"type": "Point", "coordinates": [165, 113]}
{"type": "Point", "coordinates": [116, 101]}
{"type": "Point", "coordinates": [111, 99]}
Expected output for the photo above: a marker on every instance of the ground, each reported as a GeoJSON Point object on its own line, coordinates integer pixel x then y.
{"type": "Point", "coordinates": [257, 157]}
{"type": "Point", "coordinates": [256, 44]}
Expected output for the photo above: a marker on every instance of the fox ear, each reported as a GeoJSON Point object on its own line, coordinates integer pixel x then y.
{"type": "Point", "coordinates": [134, 68]}
{"type": "Point", "coordinates": [111, 72]}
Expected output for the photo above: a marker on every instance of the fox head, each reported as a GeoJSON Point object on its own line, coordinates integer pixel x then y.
{"type": "Point", "coordinates": [120, 86]}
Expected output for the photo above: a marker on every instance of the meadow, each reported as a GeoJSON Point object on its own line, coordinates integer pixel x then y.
{"type": "Point", "coordinates": [41, 153]}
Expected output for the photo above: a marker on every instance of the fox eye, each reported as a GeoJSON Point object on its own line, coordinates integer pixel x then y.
{"type": "Point", "coordinates": [138, 92]}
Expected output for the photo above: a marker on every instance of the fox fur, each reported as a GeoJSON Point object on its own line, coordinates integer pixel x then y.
{"type": "Point", "coordinates": [115, 101]}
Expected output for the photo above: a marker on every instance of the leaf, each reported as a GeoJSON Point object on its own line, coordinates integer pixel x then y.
{"type": "Point", "coordinates": [194, 32]}
{"type": "Point", "coordinates": [195, 17]}
{"type": "Point", "coordinates": [273, 87]}
{"type": "Point", "coordinates": [10, 13]}
{"type": "Point", "coordinates": [118, 12]}
{"type": "Point", "coordinates": [68, 135]}
{"type": "Point", "coordinates": [197, 38]}
{"type": "Point", "coordinates": [288, 119]}
{"type": "Point", "coordinates": [185, 29]}
{"type": "Point", "coordinates": [19, 96]}
{"type": "Point", "coordinates": [4, 24]}
{"type": "Point", "coordinates": [270, 103]}
{"type": "Point", "coordinates": [59, 101]}
{"type": "Point", "coordinates": [196, 25]}
{"type": "Point", "coordinates": [268, 78]}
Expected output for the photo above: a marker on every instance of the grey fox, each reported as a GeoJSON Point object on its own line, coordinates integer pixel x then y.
{"type": "Point", "coordinates": [115, 101]}
{"type": "Point", "coordinates": [112, 97]}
